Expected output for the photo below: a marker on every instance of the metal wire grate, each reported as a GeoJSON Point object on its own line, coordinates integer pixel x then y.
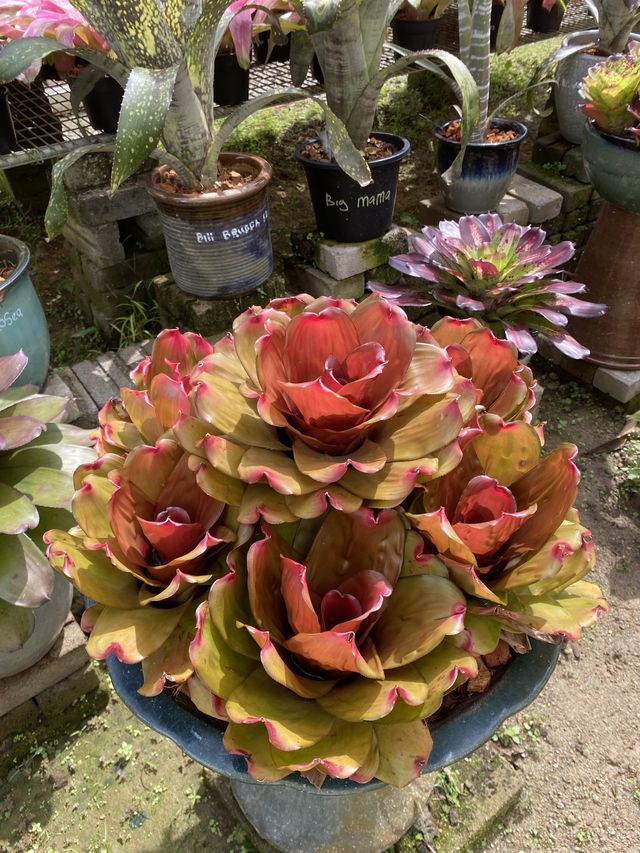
{"type": "Point", "coordinates": [47, 128]}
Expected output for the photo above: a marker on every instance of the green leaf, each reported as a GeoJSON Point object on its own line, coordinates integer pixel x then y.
{"type": "Point", "coordinates": [346, 154]}
{"type": "Point", "coordinates": [301, 57]}
{"type": "Point", "coordinates": [45, 486]}
{"type": "Point", "coordinates": [43, 407]}
{"type": "Point", "coordinates": [146, 101]}
{"type": "Point", "coordinates": [202, 47]}
{"type": "Point", "coordinates": [17, 512]}
{"type": "Point", "coordinates": [26, 578]}
{"type": "Point", "coordinates": [18, 55]}
{"type": "Point", "coordinates": [17, 626]}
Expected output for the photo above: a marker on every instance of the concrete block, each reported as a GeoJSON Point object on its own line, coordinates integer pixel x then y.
{"type": "Point", "coordinates": [59, 388]}
{"type": "Point", "coordinates": [115, 369]}
{"type": "Point", "coordinates": [92, 170]}
{"type": "Point", "coordinates": [148, 229]}
{"type": "Point", "coordinates": [542, 202]}
{"type": "Point", "coordinates": [18, 719]}
{"type": "Point", "coordinates": [302, 278]}
{"type": "Point", "coordinates": [622, 385]}
{"type": "Point", "coordinates": [100, 243]}
{"type": "Point", "coordinates": [576, 367]}
{"type": "Point", "coordinates": [574, 163]}
{"type": "Point", "coordinates": [575, 218]}
{"type": "Point", "coordinates": [100, 207]}
{"type": "Point", "coordinates": [547, 151]}
{"type": "Point", "coordinates": [67, 656]}
{"type": "Point", "coordinates": [88, 416]}
{"type": "Point", "coordinates": [574, 194]}
{"type": "Point", "coordinates": [345, 260]}
{"type": "Point", "coordinates": [57, 698]}
{"type": "Point", "coordinates": [95, 381]}
{"type": "Point", "coordinates": [510, 209]}
{"type": "Point", "coordinates": [595, 206]}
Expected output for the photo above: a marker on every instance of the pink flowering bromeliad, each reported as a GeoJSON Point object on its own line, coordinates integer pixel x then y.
{"type": "Point", "coordinates": [505, 275]}
{"type": "Point", "coordinates": [54, 19]}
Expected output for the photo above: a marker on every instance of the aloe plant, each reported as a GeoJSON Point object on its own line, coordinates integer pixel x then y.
{"type": "Point", "coordinates": [163, 53]}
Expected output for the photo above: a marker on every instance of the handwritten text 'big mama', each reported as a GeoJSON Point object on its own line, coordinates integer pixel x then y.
{"type": "Point", "coordinates": [361, 202]}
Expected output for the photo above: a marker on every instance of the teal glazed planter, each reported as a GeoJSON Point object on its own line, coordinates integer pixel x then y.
{"type": "Point", "coordinates": [487, 168]}
{"type": "Point", "coordinates": [23, 325]}
{"type": "Point", "coordinates": [613, 167]}
{"type": "Point", "coordinates": [296, 817]}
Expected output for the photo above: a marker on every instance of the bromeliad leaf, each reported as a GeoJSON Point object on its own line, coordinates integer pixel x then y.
{"type": "Point", "coordinates": [18, 55]}
{"type": "Point", "coordinates": [17, 512]}
{"type": "Point", "coordinates": [26, 578]}
{"type": "Point", "coordinates": [17, 626]}
{"type": "Point", "coordinates": [146, 102]}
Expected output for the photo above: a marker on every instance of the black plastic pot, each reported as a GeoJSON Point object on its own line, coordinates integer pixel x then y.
{"type": "Point", "coordinates": [542, 21]}
{"type": "Point", "coordinates": [487, 168]}
{"type": "Point", "coordinates": [345, 211]}
{"type": "Point", "coordinates": [280, 52]}
{"type": "Point", "coordinates": [231, 82]}
{"type": "Point", "coordinates": [316, 70]}
{"type": "Point", "coordinates": [8, 141]}
{"type": "Point", "coordinates": [103, 105]}
{"type": "Point", "coordinates": [496, 16]}
{"type": "Point", "coordinates": [415, 35]}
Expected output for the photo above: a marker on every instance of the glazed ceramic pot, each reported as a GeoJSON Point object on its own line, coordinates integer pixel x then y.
{"type": "Point", "coordinates": [566, 95]}
{"type": "Point", "coordinates": [613, 166]}
{"type": "Point", "coordinates": [293, 815]}
{"type": "Point", "coordinates": [487, 168]}
{"type": "Point", "coordinates": [23, 325]}
{"type": "Point", "coordinates": [219, 243]}
{"type": "Point", "coordinates": [345, 211]}
{"type": "Point", "coordinates": [49, 621]}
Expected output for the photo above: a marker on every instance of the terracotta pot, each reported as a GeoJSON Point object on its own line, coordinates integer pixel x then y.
{"type": "Point", "coordinates": [609, 268]}
{"type": "Point", "coordinates": [219, 244]}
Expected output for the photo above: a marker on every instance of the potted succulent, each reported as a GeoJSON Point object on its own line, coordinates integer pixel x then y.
{"type": "Point", "coordinates": [611, 134]}
{"type": "Point", "coordinates": [580, 50]}
{"type": "Point", "coordinates": [348, 38]}
{"type": "Point", "coordinates": [416, 23]}
{"type": "Point", "coordinates": [37, 461]}
{"type": "Point", "coordinates": [610, 149]}
{"type": "Point", "coordinates": [505, 275]}
{"type": "Point", "coordinates": [491, 157]}
{"type": "Point", "coordinates": [60, 21]}
{"type": "Point", "coordinates": [22, 320]}
{"type": "Point", "coordinates": [315, 529]}
{"type": "Point", "coordinates": [545, 16]}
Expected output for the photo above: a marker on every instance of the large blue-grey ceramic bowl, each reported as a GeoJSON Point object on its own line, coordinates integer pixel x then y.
{"type": "Point", "coordinates": [454, 737]}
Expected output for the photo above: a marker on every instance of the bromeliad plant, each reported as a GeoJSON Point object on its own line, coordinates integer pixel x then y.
{"type": "Point", "coordinates": [422, 10]}
{"type": "Point", "coordinates": [505, 275]}
{"type": "Point", "coordinates": [37, 460]}
{"type": "Point", "coordinates": [609, 90]}
{"type": "Point", "coordinates": [274, 524]}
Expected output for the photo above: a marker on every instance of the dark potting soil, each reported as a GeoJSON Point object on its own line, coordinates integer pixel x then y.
{"type": "Point", "coordinates": [228, 179]}
{"type": "Point", "coordinates": [375, 149]}
{"type": "Point", "coordinates": [6, 268]}
{"type": "Point", "coordinates": [453, 131]}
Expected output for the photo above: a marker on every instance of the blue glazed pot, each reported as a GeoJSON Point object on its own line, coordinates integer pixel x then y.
{"type": "Point", "coordinates": [23, 325]}
{"type": "Point", "coordinates": [458, 735]}
{"type": "Point", "coordinates": [487, 168]}
{"type": "Point", "coordinates": [613, 166]}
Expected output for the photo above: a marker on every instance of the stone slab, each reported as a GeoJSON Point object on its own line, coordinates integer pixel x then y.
{"type": "Point", "coordinates": [574, 193]}
{"type": "Point", "coordinates": [100, 207]}
{"type": "Point", "coordinates": [131, 355]}
{"type": "Point", "coordinates": [100, 243]}
{"type": "Point", "coordinates": [95, 381]}
{"type": "Point", "coordinates": [66, 657]}
{"type": "Point", "coordinates": [115, 369]}
{"type": "Point", "coordinates": [88, 409]}
{"type": "Point", "coordinates": [304, 278]}
{"type": "Point", "coordinates": [574, 163]}
{"type": "Point", "coordinates": [22, 717]}
{"type": "Point", "coordinates": [57, 698]}
{"type": "Point", "coordinates": [542, 202]}
{"type": "Point", "coordinates": [57, 387]}
{"type": "Point", "coordinates": [622, 385]}
{"type": "Point", "coordinates": [345, 260]}
{"type": "Point", "coordinates": [509, 209]}
{"type": "Point", "coordinates": [583, 370]}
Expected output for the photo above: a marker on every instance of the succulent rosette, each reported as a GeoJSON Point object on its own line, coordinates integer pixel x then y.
{"type": "Point", "coordinates": [318, 402]}
{"type": "Point", "coordinates": [505, 386]}
{"type": "Point", "coordinates": [504, 274]}
{"type": "Point", "coordinates": [504, 526]}
{"type": "Point", "coordinates": [325, 648]}
{"type": "Point", "coordinates": [609, 88]}
{"type": "Point", "coordinates": [145, 550]}
{"type": "Point", "coordinates": [161, 394]}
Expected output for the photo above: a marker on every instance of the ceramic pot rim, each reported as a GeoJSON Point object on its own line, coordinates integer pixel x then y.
{"type": "Point", "coordinates": [626, 142]}
{"type": "Point", "coordinates": [404, 146]}
{"type": "Point", "coordinates": [215, 199]}
{"type": "Point", "coordinates": [21, 254]}
{"type": "Point", "coordinates": [506, 123]}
